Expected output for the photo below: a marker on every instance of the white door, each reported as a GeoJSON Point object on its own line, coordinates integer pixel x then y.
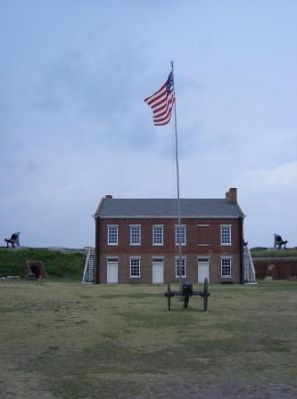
{"type": "Point", "coordinates": [112, 272]}
{"type": "Point", "coordinates": [158, 272]}
{"type": "Point", "coordinates": [203, 269]}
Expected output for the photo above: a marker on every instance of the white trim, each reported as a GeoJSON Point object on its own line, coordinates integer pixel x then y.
{"type": "Point", "coordinates": [184, 261]}
{"type": "Point", "coordinates": [117, 235]}
{"type": "Point", "coordinates": [203, 266]}
{"type": "Point", "coordinates": [157, 267]}
{"type": "Point", "coordinates": [112, 270]}
{"type": "Point", "coordinates": [153, 229]}
{"type": "Point", "coordinates": [230, 265]}
{"type": "Point", "coordinates": [202, 258]}
{"type": "Point", "coordinates": [130, 235]}
{"type": "Point", "coordinates": [184, 227]}
{"type": "Point", "coordinates": [135, 258]}
{"type": "Point", "coordinates": [226, 244]}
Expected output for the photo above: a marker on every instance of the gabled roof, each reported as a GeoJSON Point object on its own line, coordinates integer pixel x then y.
{"type": "Point", "coordinates": [167, 208]}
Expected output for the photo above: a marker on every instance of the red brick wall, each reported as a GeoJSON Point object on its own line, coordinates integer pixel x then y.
{"type": "Point", "coordinates": [277, 268]}
{"type": "Point", "coordinates": [195, 246]}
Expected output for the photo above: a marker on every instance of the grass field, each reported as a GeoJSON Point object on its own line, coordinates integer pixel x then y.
{"type": "Point", "coordinates": [67, 340]}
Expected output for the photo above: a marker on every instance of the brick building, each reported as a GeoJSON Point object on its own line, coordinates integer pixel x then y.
{"type": "Point", "coordinates": [137, 240]}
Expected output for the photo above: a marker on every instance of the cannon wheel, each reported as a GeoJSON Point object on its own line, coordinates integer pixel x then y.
{"type": "Point", "coordinates": [205, 295]}
{"type": "Point", "coordinates": [168, 297]}
{"type": "Point", "coordinates": [186, 301]}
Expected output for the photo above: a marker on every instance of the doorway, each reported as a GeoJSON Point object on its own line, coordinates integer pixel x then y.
{"type": "Point", "coordinates": [203, 270]}
{"type": "Point", "coordinates": [158, 271]}
{"type": "Point", "coordinates": [112, 271]}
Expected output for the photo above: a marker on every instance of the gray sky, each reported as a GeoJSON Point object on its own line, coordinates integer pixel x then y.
{"type": "Point", "coordinates": [74, 126]}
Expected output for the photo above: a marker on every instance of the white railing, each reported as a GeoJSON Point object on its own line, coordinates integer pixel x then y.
{"type": "Point", "coordinates": [88, 275]}
{"type": "Point", "coordinates": [249, 275]}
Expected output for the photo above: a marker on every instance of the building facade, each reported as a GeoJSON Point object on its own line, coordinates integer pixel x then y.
{"type": "Point", "coordinates": [137, 240]}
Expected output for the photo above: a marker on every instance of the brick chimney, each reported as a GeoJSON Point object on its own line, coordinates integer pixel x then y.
{"type": "Point", "coordinates": [231, 195]}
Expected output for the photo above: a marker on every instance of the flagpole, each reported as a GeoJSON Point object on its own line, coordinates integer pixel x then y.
{"type": "Point", "coordinates": [177, 188]}
{"type": "Point", "coordinates": [161, 103]}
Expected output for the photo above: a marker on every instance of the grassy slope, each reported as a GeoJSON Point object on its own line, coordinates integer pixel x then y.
{"type": "Point", "coordinates": [77, 341]}
{"type": "Point", "coordinates": [266, 252]}
{"type": "Point", "coordinates": [57, 263]}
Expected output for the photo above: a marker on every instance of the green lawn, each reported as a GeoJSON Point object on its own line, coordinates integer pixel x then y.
{"type": "Point", "coordinates": [67, 340]}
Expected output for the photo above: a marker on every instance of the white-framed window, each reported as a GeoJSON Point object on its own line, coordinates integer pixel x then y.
{"type": "Point", "coordinates": [203, 260]}
{"type": "Point", "coordinates": [111, 259]}
{"type": "Point", "coordinates": [180, 234]}
{"type": "Point", "coordinates": [135, 234]}
{"type": "Point", "coordinates": [225, 234]}
{"type": "Point", "coordinates": [226, 267]}
{"type": "Point", "coordinates": [134, 266]}
{"type": "Point", "coordinates": [183, 267]}
{"type": "Point", "coordinates": [112, 234]}
{"type": "Point", "coordinates": [159, 260]}
{"type": "Point", "coordinates": [158, 234]}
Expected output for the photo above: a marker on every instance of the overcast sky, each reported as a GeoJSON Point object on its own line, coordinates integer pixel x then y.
{"type": "Point", "coordinates": [74, 125]}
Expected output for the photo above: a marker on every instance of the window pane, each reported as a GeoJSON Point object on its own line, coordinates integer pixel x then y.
{"type": "Point", "coordinates": [183, 267]}
{"type": "Point", "coordinates": [135, 235]}
{"type": "Point", "coordinates": [157, 235]}
{"type": "Point", "coordinates": [226, 267]}
{"type": "Point", "coordinates": [225, 234]}
{"type": "Point", "coordinates": [134, 267]}
{"type": "Point", "coordinates": [112, 235]}
{"type": "Point", "coordinates": [180, 235]}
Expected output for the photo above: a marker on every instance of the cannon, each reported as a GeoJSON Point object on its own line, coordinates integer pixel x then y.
{"type": "Point", "coordinates": [186, 292]}
{"type": "Point", "coordinates": [278, 241]}
{"type": "Point", "coordinates": [13, 240]}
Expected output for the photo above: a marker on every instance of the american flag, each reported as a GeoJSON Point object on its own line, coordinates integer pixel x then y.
{"type": "Point", "coordinates": [162, 102]}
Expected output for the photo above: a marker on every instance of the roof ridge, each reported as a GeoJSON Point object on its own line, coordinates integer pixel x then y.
{"type": "Point", "coordinates": [165, 207]}
{"type": "Point", "coordinates": [166, 199]}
